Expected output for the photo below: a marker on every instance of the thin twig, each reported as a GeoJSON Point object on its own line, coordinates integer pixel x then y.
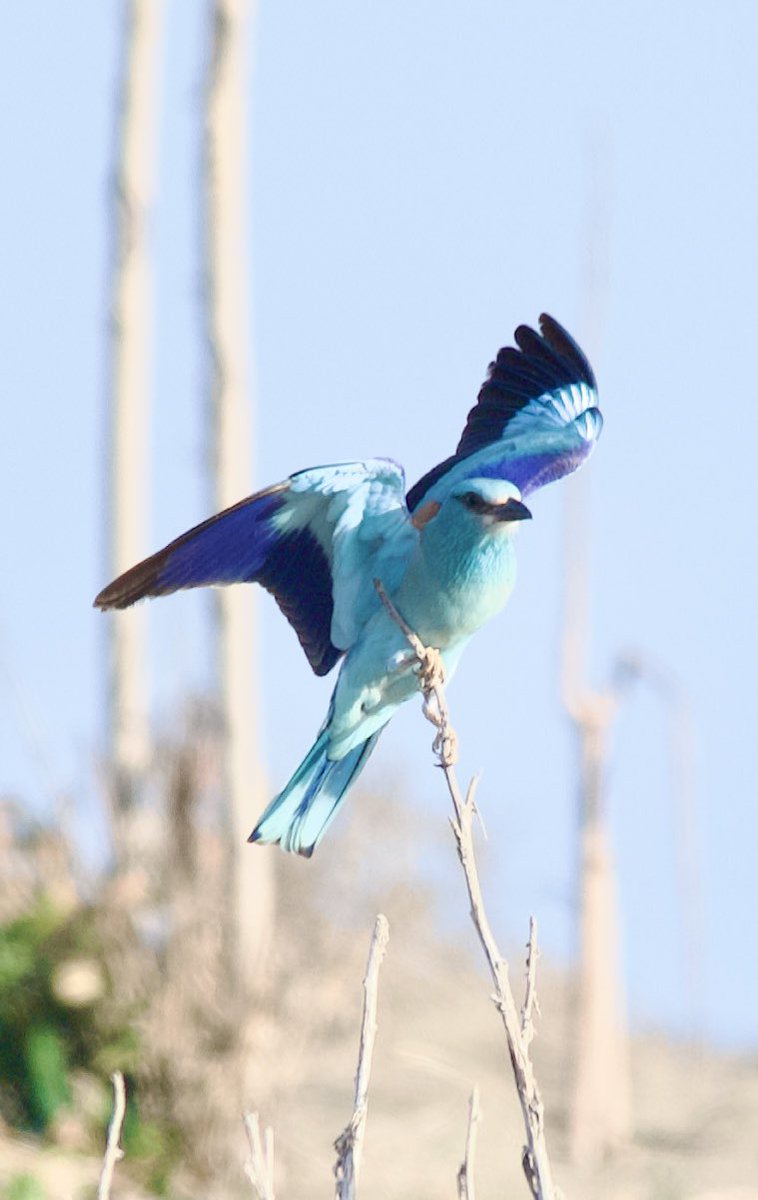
{"type": "Point", "coordinates": [349, 1144]}
{"type": "Point", "coordinates": [466, 1188]}
{"type": "Point", "coordinates": [531, 1004]}
{"type": "Point", "coordinates": [259, 1168]}
{"type": "Point", "coordinates": [535, 1161]}
{"type": "Point", "coordinates": [113, 1151]}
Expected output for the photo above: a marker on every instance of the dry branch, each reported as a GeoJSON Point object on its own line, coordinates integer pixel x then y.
{"type": "Point", "coordinates": [349, 1144]}
{"type": "Point", "coordinates": [518, 1030]}
{"type": "Point", "coordinates": [531, 1004]}
{"type": "Point", "coordinates": [259, 1168]}
{"type": "Point", "coordinates": [113, 1151]}
{"type": "Point", "coordinates": [466, 1190]}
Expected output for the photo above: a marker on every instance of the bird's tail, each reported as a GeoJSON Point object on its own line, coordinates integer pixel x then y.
{"type": "Point", "coordinates": [299, 816]}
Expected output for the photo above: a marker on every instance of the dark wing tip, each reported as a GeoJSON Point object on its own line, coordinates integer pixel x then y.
{"type": "Point", "coordinates": [560, 339]}
{"type": "Point", "coordinates": [542, 361]}
{"type": "Point", "coordinates": [135, 584]}
{"type": "Point", "coordinates": [147, 578]}
{"type": "Point", "coordinates": [548, 359]}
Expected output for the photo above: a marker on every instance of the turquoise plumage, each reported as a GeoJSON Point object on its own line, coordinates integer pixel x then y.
{"type": "Point", "coordinates": [445, 555]}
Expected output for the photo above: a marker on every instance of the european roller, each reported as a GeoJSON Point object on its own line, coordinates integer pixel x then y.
{"type": "Point", "coordinates": [444, 554]}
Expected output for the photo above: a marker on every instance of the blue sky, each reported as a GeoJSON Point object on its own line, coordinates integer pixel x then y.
{"type": "Point", "coordinates": [424, 177]}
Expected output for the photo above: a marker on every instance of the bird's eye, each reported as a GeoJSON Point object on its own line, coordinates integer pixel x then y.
{"type": "Point", "coordinates": [472, 500]}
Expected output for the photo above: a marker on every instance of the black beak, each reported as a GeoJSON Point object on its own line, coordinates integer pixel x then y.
{"type": "Point", "coordinates": [512, 510]}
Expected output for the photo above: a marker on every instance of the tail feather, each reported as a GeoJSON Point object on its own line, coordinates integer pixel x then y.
{"type": "Point", "coordinates": [300, 815]}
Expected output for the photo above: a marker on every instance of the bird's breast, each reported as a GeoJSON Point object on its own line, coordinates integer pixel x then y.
{"type": "Point", "coordinates": [446, 597]}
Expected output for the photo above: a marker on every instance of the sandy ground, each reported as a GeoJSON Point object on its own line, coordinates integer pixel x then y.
{"type": "Point", "coordinates": [695, 1110]}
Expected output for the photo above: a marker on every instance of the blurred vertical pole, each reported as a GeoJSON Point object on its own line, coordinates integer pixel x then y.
{"type": "Point", "coordinates": [643, 667]}
{"type": "Point", "coordinates": [601, 1108]}
{"type": "Point", "coordinates": [128, 732]}
{"type": "Point", "coordinates": [690, 865]}
{"type": "Point", "coordinates": [227, 312]}
{"type": "Point", "coordinates": [600, 1111]}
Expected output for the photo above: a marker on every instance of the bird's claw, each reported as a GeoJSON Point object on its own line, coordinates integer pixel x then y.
{"type": "Point", "coordinates": [431, 676]}
{"type": "Point", "coordinates": [430, 669]}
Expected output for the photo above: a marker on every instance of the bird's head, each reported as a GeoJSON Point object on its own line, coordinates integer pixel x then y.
{"type": "Point", "coordinates": [494, 504]}
{"type": "Point", "coordinates": [474, 511]}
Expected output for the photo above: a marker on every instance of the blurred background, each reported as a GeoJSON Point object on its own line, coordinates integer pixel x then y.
{"type": "Point", "coordinates": [242, 239]}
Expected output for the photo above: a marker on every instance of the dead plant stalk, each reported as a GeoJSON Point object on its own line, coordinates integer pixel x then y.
{"type": "Point", "coordinates": [518, 1028]}
{"type": "Point", "coordinates": [349, 1144]}
{"type": "Point", "coordinates": [113, 1151]}
{"type": "Point", "coordinates": [259, 1167]}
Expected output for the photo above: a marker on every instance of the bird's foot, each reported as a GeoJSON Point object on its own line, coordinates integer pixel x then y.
{"type": "Point", "coordinates": [431, 676]}
{"type": "Point", "coordinates": [430, 669]}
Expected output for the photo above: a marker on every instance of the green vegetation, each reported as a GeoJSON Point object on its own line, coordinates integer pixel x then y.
{"type": "Point", "coordinates": [60, 1028]}
{"type": "Point", "coordinates": [41, 1038]}
{"type": "Point", "coordinates": [24, 1187]}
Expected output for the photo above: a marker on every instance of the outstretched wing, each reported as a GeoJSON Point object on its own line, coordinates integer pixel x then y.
{"type": "Point", "coordinates": [536, 417]}
{"type": "Point", "coordinates": [315, 541]}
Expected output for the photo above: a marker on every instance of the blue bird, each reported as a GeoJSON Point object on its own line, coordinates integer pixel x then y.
{"type": "Point", "coordinates": [444, 554]}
